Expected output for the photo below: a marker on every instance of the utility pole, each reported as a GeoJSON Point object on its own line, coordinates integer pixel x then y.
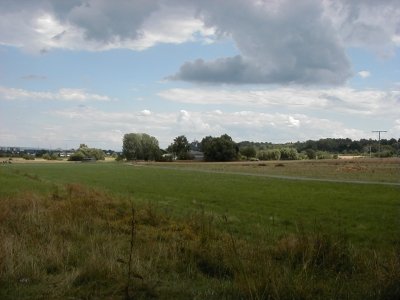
{"type": "Point", "coordinates": [379, 141]}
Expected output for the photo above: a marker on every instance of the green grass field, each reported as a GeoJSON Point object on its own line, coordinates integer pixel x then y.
{"type": "Point", "coordinates": [377, 170]}
{"type": "Point", "coordinates": [368, 212]}
{"type": "Point", "coordinates": [203, 230]}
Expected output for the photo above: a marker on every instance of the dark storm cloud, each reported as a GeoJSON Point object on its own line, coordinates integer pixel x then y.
{"type": "Point", "coordinates": [287, 42]}
{"type": "Point", "coordinates": [105, 20]}
{"type": "Point", "coordinates": [278, 41]}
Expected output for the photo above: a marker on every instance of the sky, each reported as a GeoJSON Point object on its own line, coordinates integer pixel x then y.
{"type": "Point", "coordinates": [90, 71]}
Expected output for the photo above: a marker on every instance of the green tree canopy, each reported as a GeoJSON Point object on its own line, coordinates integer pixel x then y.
{"type": "Point", "coordinates": [180, 147]}
{"type": "Point", "coordinates": [248, 151]}
{"type": "Point", "coordinates": [85, 152]}
{"type": "Point", "coordinates": [289, 153]}
{"type": "Point", "coordinates": [270, 154]}
{"type": "Point", "coordinates": [140, 146]}
{"type": "Point", "coordinates": [221, 148]}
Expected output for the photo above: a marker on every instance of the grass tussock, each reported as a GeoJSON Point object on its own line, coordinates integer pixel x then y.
{"type": "Point", "coordinates": [80, 242]}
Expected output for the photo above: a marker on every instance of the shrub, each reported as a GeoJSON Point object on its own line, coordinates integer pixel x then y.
{"type": "Point", "coordinates": [311, 154]}
{"type": "Point", "coordinates": [248, 152]}
{"type": "Point", "coordinates": [28, 157]}
{"type": "Point", "coordinates": [85, 151]}
{"type": "Point", "coordinates": [50, 156]}
{"type": "Point", "coordinates": [77, 156]}
{"type": "Point", "coordinates": [119, 158]}
{"type": "Point", "coordinates": [323, 155]}
{"type": "Point", "coordinates": [273, 154]}
{"type": "Point", "coordinates": [289, 154]}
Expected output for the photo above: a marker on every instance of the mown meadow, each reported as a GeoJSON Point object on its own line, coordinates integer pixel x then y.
{"type": "Point", "coordinates": [114, 230]}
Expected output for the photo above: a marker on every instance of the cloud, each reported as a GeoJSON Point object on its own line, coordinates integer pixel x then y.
{"type": "Point", "coordinates": [255, 98]}
{"type": "Point", "coordinates": [278, 42]}
{"type": "Point", "coordinates": [364, 74]}
{"type": "Point", "coordinates": [190, 123]}
{"type": "Point", "coordinates": [91, 123]}
{"type": "Point", "coordinates": [97, 25]}
{"type": "Point", "coordinates": [276, 23]}
{"type": "Point", "coordinates": [145, 112]}
{"type": "Point", "coordinates": [395, 130]}
{"type": "Point", "coordinates": [65, 94]}
{"type": "Point", "coordinates": [223, 70]}
{"type": "Point", "coordinates": [107, 21]}
{"type": "Point", "coordinates": [371, 24]}
{"type": "Point", "coordinates": [348, 100]}
{"type": "Point", "coordinates": [105, 129]}
{"type": "Point", "coordinates": [241, 125]}
{"type": "Point", "coordinates": [173, 25]}
{"type": "Point", "coordinates": [276, 45]}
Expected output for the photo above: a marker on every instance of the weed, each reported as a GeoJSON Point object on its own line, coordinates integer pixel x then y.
{"type": "Point", "coordinates": [78, 241]}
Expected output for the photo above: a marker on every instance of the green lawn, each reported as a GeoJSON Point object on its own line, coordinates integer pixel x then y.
{"type": "Point", "coordinates": [68, 231]}
{"type": "Point", "coordinates": [371, 170]}
{"type": "Point", "coordinates": [369, 214]}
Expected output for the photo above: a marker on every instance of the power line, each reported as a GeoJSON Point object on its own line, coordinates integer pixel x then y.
{"type": "Point", "coordinates": [379, 140]}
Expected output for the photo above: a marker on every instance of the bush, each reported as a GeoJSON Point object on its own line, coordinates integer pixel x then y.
{"type": "Point", "coordinates": [119, 157]}
{"type": "Point", "coordinates": [289, 154]}
{"type": "Point", "coordinates": [86, 152]}
{"type": "Point", "coordinates": [77, 156]}
{"type": "Point", "coordinates": [248, 152]}
{"type": "Point", "coordinates": [165, 158]}
{"type": "Point", "coordinates": [273, 154]}
{"type": "Point", "coordinates": [384, 153]}
{"type": "Point", "coordinates": [49, 156]}
{"type": "Point", "coordinates": [311, 154]}
{"type": "Point", "coordinates": [323, 155]}
{"type": "Point", "coordinates": [28, 157]}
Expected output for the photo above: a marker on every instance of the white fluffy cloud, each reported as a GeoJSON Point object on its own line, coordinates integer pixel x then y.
{"type": "Point", "coordinates": [97, 25]}
{"type": "Point", "coordinates": [283, 41]}
{"type": "Point", "coordinates": [364, 74]}
{"type": "Point", "coordinates": [105, 129]}
{"type": "Point", "coordinates": [242, 125]}
{"type": "Point", "coordinates": [348, 100]}
{"type": "Point", "coordinates": [65, 94]}
{"type": "Point", "coordinates": [366, 23]}
{"type": "Point", "coordinates": [277, 115]}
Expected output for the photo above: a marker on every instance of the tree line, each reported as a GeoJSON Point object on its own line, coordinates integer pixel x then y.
{"type": "Point", "coordinates": [141, 146]}
{"type": "Point", "coordinates": [387, 147]}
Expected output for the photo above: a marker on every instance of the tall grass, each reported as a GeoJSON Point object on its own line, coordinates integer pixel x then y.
{"type": "Point", "coordinates": [80, 242]}
{"type": "Point", "coordinates": [256, 206]}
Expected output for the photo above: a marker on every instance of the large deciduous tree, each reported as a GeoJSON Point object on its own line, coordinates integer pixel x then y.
{"type": "Point", "coordinates": [221, 148]}
{"type": "Point", "coordinates": [248, 151]}
{"type": "Point", "coordinates": [140, 146]}
{"type": "Point", "coordinates": [150, 147]}
{"type": "Point", "coordinates": [180, 147]}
